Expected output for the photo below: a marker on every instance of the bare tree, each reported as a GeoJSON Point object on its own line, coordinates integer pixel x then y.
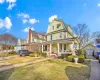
{"type": "Point", "coordinates": [96, 35]}
{"type": "Point", "coordinates": [83, 34]}
{"type": "Point", "coordinates": [8, 39]}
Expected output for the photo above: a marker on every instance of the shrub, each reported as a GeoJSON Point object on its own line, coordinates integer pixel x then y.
{"type": "Point", "coordinates": [70, 58]}
{"type": "Point", "coordinates": [78, 52]}
{"type": "Point", "coordinates": [36, 54]}
{"type": "Point", "coordinates": [12, 52]}
{"type": "Point", "coordinates": [32, 55]}
{"type": "Point", "coordinates": [44, 54]}
{"type": "Point", "coordinates": [39, 52]}
{"type": "Point", "coordinates": [64, 56]}
{"type": "Point", "coordinates": [59, 57]}
{"type": "Point", "coordinates": [81, 58]}
{"type": "Point", "coordinates": [83, 52]}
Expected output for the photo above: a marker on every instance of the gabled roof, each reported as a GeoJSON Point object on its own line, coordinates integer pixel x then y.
{"type": "Point", "coordinates": [65, 25]}
{"type": "Point", "coordinates": [37, 34]}
{"type": "Point", "coordinates": [60, 20]}
{"type": "Point", "coordinates": [89, 45]}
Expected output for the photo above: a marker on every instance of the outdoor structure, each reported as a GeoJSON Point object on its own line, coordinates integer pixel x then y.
{"type": "Point", "coordinates": [89, 49]}
{"type": "Point", "coordinates": [34, 40]}
{"type": "Point", "coordinates": [60, 39]}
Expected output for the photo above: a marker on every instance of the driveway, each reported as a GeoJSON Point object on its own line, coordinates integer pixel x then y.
{"type": "Point", "coordinates": [95, 70]}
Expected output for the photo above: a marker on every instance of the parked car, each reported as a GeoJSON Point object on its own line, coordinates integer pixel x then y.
{"type": "Point", "coordinates": [99, 59]}
{"type": "Point", "coordinates": [96, 53]}
{"type": "Point", "coordinates": [23, 52]}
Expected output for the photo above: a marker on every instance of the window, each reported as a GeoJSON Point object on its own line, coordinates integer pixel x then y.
{"type": "Point", "coordinates": [60, 46]}
{"type": "Point", "coordinates": [64, 46]}
{"type": "Point", "coordinates": [58, 25]}
{"type": "Point", "coordinates": [52, 27]}
{"type": "Point", "coordinates": [50, 37]}
{"type": "Point", "coordinates": [61, 35]}
{"type": "Point", "coordinates": [64, 35]}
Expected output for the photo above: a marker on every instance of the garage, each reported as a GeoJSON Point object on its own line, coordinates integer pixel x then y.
{"type": "Point", "coordinates": [89, 49]}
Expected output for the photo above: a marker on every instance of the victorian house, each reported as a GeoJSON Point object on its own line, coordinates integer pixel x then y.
{"type": "Point", "coordinates": [60, 39]}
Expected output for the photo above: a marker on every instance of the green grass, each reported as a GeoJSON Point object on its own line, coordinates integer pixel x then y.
{"type": "Point", "coordinates": [7, 54]}
{"type": "Point", "coordinates": [18, 60]}
{"type": "Point", "coordinates": [49, 70]}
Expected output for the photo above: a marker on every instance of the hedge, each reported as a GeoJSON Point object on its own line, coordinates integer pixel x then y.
{"type": "Point", "coordinates": [70, 58]}
{"type": "Point", "coordinates": [81, 58]}
{"type": "Point", "coordinates": [32, 55]}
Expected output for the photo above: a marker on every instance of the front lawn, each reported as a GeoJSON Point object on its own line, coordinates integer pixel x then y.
{"type": "Point", "coordinates": [17, 60]}
{"type": "Point", "coordinates": [49, 70]}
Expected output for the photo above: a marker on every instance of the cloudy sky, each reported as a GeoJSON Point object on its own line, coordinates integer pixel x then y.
{"type": "Point", "coordinates": [17, 16]}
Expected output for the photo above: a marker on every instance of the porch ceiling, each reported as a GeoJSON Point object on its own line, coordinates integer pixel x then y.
{"type": "Point", "coordinates": [59, 41]}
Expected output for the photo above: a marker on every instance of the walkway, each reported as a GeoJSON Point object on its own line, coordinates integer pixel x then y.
{"type": "Point", "coordinates": [95, 70]}
{"type": "Point", "coordinates": [22, 64]}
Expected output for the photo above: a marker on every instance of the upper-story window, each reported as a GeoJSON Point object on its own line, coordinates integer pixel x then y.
{"type": "Point", "coordinates": [52, 27]}
{"type": "Point", "coordinates": [64, 35]}
{"type": "Point", "coordinates": [58, 25]}
{"type": "Point", "coordinates": [61, 35]}
{"type": "Point", "coordinates": [64, 46]}
{"type": "Point", "coordinates": [50, 37]}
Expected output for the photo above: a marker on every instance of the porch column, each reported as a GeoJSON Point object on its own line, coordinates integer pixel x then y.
{"type": "Point", "coordinates": [73, 48]}
{"type": "Point", "coordinates": [63, 47]}
{"type": "Point", "coordinates": [58, 47]}
{"type": "Point", "coordinates": [42, 48]}
{"type": "Point", "coordinates": [50, 48]}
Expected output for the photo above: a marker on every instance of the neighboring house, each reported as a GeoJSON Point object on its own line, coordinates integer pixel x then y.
{"type": "Point", "coordinates": [60, 38]}
{"type": "Point", "coordinates": [89, 49]}
{"type": "Point", "coordinates": [34, 40]}
{"type": "Point", "coordinates": [36, 37]}
{"type": "Point", "coordinates": [20, 45]}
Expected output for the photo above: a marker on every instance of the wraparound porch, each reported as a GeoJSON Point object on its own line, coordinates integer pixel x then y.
{"type": "Point", "coordinates": [59, 47]}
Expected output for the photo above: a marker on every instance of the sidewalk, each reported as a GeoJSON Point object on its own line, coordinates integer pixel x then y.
{"type": "Point", "coordinates": [22, 64]}
{"type": "Point", "coordinates": [95, 70]}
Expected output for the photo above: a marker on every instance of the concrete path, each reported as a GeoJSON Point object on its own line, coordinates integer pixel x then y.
{"type": "Point", "coordinates": [95, 70]}
{"type": "Point", "coordinates": [22, 64]}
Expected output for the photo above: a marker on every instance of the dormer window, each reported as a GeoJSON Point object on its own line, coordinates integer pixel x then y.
{"type": "Point", "coordinates": [58, 25]}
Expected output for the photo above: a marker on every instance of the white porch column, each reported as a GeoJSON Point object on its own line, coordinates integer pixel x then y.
{"type": "Point", "coordinates": [42, 48]}
{"type": "Point", "coordinates": [73, 48]}
{"type": "Point", "coordinates": [63, 47]}
{"type": "Point", "coordinates": [50, 48]}
{"type": "Point", "coordinates": [58, 47]}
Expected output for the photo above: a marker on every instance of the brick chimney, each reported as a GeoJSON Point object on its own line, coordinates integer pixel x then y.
{"type": "Point", "coordinates": [29, 35]}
